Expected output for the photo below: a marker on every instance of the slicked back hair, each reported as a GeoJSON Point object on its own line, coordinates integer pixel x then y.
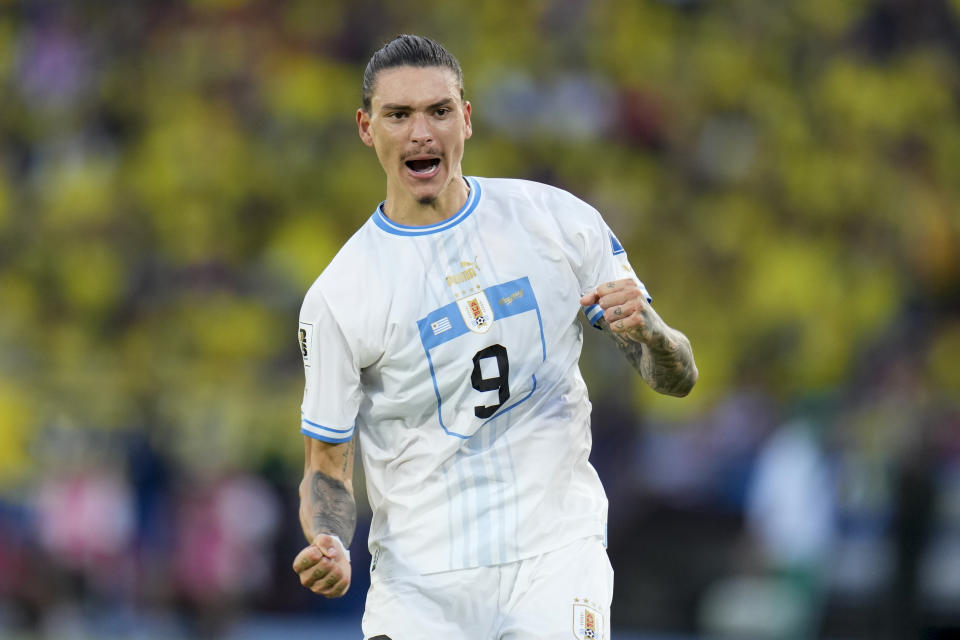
{"type": "Point", "coordinates": [407, 50]}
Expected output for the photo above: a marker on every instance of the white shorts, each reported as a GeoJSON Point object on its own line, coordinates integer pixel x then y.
{"type": "Point", "coordinates": [564, 594]}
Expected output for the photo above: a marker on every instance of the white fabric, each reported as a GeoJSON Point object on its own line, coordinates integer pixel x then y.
{"type": "Point", "coordinates": [564, 594]}
{"type": "Point", "coordinates": [414, 335]}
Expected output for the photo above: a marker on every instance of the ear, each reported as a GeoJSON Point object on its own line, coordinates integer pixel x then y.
{"type": "Point", "coordinates": [467, 109]}
{"type": "Point", "coordinates": [363, 127]}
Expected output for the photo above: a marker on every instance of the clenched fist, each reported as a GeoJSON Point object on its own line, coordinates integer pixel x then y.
{"type": "Point", "coordinates": [324, 567]}
{"type": "Point", "coordinates": [626, 310]}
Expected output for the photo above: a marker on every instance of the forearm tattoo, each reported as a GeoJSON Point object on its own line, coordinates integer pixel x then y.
{"type": "Point", "coordinates": [348, 455]}
{"type": "Point", "coordinates": [665, 362]}
{"type": "Point", "coordinates": [332, 507]}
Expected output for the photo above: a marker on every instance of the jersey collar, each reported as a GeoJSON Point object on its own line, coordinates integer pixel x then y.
{"type": "Point", "coordinates": [388, 225]}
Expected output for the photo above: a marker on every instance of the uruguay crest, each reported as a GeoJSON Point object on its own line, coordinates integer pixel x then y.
{"type": "Point", "coordinates": [587, 621]}
{"type": "Point", "coordinates": [476, 311]}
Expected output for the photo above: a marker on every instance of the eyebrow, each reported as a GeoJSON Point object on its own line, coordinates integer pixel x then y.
{"type": "Point", "coordinates": [404, 107]}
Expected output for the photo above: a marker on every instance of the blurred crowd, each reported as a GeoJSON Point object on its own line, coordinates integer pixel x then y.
{"type": "Point", "coordinates": [784, 175]}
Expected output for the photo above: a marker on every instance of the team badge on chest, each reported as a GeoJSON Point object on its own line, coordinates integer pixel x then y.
{"type": "Point", "coordinates": [477, 312]}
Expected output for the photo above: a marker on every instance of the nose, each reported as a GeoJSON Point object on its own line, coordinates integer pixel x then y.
{"type": "Point", "coordinates": [420, 132]}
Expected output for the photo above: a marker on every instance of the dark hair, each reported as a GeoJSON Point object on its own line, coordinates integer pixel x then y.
{"type": "Point", "coordinates": [407, 50]}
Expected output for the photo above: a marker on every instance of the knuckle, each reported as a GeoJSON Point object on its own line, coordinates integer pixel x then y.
{"type": "Point", "coordinates": [332, 580]}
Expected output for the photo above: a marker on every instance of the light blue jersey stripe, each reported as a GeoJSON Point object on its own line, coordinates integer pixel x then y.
{"type": "Point", "coordinates": [321, 432]}
{"type": "Point", "coordinates": [317, 435]}
{"type": "Point", "coordinates": [594, 312]}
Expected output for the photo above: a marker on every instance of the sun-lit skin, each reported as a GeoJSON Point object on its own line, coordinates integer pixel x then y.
{"type": "Point", "coordinates": [416, 114]}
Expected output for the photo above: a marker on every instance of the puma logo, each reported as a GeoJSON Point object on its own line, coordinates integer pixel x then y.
{"type": "Point", "coordinates": [468, 273]}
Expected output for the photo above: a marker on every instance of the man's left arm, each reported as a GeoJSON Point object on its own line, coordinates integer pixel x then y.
{"type": "Point", "coordinates": [662, 355]}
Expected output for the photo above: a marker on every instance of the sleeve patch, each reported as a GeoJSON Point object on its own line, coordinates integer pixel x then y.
{"type": "Point", "coordinates": [615, 245]}
{"type": "Point", "coordinates": [305, 338]}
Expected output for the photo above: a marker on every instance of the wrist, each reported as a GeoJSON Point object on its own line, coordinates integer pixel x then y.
{"type": "Point", "coordinates": [343, 547]}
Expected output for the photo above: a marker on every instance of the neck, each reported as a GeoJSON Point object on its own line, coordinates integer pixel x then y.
{"type": "Point", "coordinates": [403, 208]}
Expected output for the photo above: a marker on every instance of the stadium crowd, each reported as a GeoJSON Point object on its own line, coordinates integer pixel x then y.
{"type": "Point", "coordinates": [784, 175]}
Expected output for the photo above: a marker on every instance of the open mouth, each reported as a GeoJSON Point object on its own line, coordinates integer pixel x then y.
{"type": "Point", "coordinates": [423, 167]}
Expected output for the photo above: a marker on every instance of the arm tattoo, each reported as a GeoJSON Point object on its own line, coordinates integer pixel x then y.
{"type": "Point", "coordinates": [332, 507]}
{"type": "Point", "coordinates": [632, 350]}
{"type": "Point", "coordinates": [348, 454]}
{"type": "Point", "coordinates": [665, 362]}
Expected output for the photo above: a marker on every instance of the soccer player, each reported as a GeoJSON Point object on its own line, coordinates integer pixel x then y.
{"type": "Point", "coordinates": [444, 335]}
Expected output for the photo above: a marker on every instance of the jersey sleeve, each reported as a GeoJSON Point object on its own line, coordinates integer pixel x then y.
{"type": "Point", "coordinates": [596, 255]}
{"type": "Point", "coordinates": [332, 393]}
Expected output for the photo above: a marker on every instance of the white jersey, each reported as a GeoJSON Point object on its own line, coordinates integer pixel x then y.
{"type": "Point", "coordinates": [451, 351]}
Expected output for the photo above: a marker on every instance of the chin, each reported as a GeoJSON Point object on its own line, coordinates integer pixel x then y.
{"type": "Point", "coordinates": [426, 195]}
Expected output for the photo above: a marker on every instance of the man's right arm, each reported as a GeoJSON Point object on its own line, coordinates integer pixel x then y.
{"type": "Point", "coordinates": [326, 491]}
{"type": "Point", "coordinates": [327, 513]}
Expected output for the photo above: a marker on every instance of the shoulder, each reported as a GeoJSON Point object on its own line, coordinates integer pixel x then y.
{"type": "Point", "coordinates": [518, 187]}
{"type": "Point", "coordinates": [557, 201]}
{"type": "Point", "coordinates": [340, 283]}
